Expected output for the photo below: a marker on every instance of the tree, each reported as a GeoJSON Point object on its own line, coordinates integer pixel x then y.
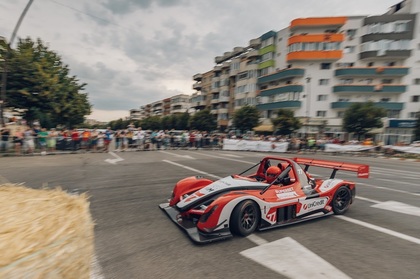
{"type": "Point", "coordinates": [182, 121]}
{"type": "Point", "coordinates": [360, 118]}
{"type": "Point", "coordinates": [285, 123]}
{"type": "Point", "coordinates": [417, 127]}
{"type": "Point", "coordinates": [40, 83]}
{"type": "Point", "coordinates": [151, 123]}
{"type": "Point", "coordinates": [203, 121]}
{"type": "Point", "coordinates": [246, 118]}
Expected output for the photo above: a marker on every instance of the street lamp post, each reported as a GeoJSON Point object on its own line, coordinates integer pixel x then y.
{"type": "Point", "coordinates": [308, 103]}
{"type": "Point", "coordinates": [5, 61]}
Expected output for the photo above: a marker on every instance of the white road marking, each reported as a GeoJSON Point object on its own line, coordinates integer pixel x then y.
{"type": "Point", "coordinates": [231, 155]}
{"type": "Point", "coordinates": [395, 182]}
{"type": "Point", "coordinates": [368, 200]}
{"type": "Point", "coordinates": [285, 256]}
{"type": "Point", "coordinates": [256, 239]}
{"type": "Point", "coordinates": [398, 207]}
{"type": "Point", "coordinates": [229, 159]}
{"type": "Point", "coordinates": [178, 155]}
{"type": "Point", "coordinates": [388, 189]}
{"type": "Point", "coordinates": [114, 161]}
{"type": "Point", "coordinates": [192, 169]}
{"type": "Point", "coordinates": [379, 229]}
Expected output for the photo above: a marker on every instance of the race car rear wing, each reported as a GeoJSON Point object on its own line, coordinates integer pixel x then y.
{"type": "Point", "coordinates": [362, 170]}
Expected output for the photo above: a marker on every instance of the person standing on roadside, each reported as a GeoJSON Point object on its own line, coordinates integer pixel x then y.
{"type": "Point", "coordinates": [107, 139]}
{"type": "Point", "coordinates": [18, 141]}
{"type": "Point", "coordinates": [52, 140]}
{"type": "Point", "coordinates": [28, 141]}
{"type": "Point", "coordinates": [5, 135]}
{"type": "Point", "coordinates": [75, 139]}
{"type": "Point", "coordinates": [94, 139]}
{"type": "Point", "coordinates": [42, 140]}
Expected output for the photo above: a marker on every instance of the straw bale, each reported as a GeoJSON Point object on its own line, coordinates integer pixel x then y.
{"type": "Point", "coordinates": [44, 233]}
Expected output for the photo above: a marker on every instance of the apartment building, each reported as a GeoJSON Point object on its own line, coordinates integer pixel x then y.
{"type": "Point", "coordinates": [179, 104]}
{"type": "Point", "coordinates": [319, 66]}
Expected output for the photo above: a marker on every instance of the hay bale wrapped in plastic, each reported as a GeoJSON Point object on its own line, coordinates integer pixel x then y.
{"type": "Point", "coordinates": [44, 233]}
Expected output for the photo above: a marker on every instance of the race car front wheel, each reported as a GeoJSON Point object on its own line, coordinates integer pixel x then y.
{"type": "Point", "coordinates": [341, 200]}
{"type": "Point", "coordinates": [245, 218]}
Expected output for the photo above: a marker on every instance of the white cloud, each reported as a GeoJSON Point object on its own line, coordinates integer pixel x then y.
{"type": "Point", "coordinates": [134, 52]}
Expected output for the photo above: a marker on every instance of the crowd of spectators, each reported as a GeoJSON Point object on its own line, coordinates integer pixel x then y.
{"type": "Point", "coordinates": [26, 140]}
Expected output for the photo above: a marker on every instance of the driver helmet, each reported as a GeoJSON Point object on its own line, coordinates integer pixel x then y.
{"type": "Point", "coordinates": [272, 173]}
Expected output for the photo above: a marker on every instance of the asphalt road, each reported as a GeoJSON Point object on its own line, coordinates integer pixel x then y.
{"type": "Point", "coordinates": [135, 239]}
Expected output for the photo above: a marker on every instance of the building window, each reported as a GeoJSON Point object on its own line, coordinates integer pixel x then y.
{"type": "Point", "coordinates": [393, 114]}
{"type": "Point", "coordinates": [370, 64]}
{"type": "Point", "coordinates": [415, 98]}
{"type": "Point", "coordinates": [385, 100]}
{"type": "Point", "coordinates": [346, 81]}
{"type": "Point", "coordinates": [321, 113]}
{"type": "Point", "coordinates": [387, 81]}
{"type": "Point", "coordinates": [412, 115]}
{"type": "Point", "coordinates": [322, 97]}
{"type": "Point", "coordinates": [345, 65]}
{"type": "Point", "coordinates": [349, 49]}
{"type": "Point", "coordinates": [325, 66]}
{"type": "Point", "coordinates": [340, 114]}
{"type": "Point", "coordinates": [323, 81]}
{"type": "Point", "coordinates": [401, 27]}
{"type": "Point", "coordinates": [351, 33]}
{"type": "Point", "coordinates": [416, 81]}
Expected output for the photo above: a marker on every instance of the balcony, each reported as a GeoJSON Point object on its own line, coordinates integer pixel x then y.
{"type": "Point", "coordinates": [197, 77]}
{"type": "Point", "coordinates": [282, 89]}
{"type": "Point", "coordinates": [283, 74]}
{"type": "Point", "coordinates": [315, 38]}
{"type": "Point", "coordinates": [254, 43]}
{"type": "Point", "coordinates": [317, 22]}
{"type": "Point", "coordinates": [214, 101]}
{"type": "Point", "coordinates": [197, 86]}
{"type": "Point", "coordinates": [222, 110]}
{"type": "Point", "coordinates": [279, 105]}
{"type": "Point", "coordinates": [385, 105]}
{"type": "Point", "coordinates": [253, 53]}
{"type": "Point", "coordinates": [388, 54]}
{"type": "Point", "coordinates": [372, 72]}
{"type": "Point", "coordinates": [325, 55]}
{"type": "Point", "coordinates": [383, 88]}
{"type": "Point", "coordinates": [224, 99]}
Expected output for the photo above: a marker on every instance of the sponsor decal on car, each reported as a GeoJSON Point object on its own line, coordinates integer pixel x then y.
{"type": "Point", "coordinates": [312, 204]}
{"type": "Point", "coordinates": [286, 193]}
{"type": "Point", "coordinates": [329, 184]}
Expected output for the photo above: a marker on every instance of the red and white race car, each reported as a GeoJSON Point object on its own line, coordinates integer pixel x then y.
{"type": "Point", "coordinates": [240, 204]}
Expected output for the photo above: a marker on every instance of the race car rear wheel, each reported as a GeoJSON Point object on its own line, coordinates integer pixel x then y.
{"type": "Point", "coordinates": [245, 218]}
{"type": "Point", "coordinates": [341, 200]}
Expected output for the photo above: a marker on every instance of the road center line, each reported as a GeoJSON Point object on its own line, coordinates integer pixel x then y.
{"type": "Point", "coordinates": [229, 159]}
{"type": "Point", "coordinates": [191, 169]}
{"type": "Point", "coordinates": [379, 229]}
{"type": "Point", "coordinates": [388, 189]}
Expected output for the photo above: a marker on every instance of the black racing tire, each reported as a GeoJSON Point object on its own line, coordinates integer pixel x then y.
{"type": "Point", "coordinates": [341, 200]}
{"type": "Point", "coordinates": [245, 218]}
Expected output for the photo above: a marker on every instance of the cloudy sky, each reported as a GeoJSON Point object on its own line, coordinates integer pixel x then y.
{"type": "Point", "coordinates": [134, 52]}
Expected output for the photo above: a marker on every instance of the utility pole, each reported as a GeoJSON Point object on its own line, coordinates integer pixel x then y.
{"type": "Point", "coordinates": [308, 103]}
{"type": "Point", "coordinates": [5, 61]}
